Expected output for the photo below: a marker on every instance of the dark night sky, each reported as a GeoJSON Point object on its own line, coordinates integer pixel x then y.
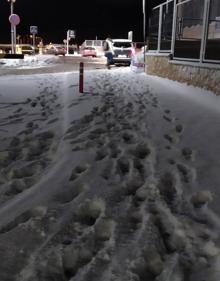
{"type": "Point", "coordinates": [90, 18]}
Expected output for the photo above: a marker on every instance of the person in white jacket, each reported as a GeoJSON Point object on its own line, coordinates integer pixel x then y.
{"type": "Point", "coordinates": [107, 47]}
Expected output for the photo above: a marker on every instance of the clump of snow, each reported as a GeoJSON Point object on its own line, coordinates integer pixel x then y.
{"type": "Point", "coordinates": [39, 211]}
{"type": "Point", "coordinates": [201, 198]}
{"type": "Point", "coordinates": [104, 229]}
{"type": "Point", "coordinates": [137, 62]}
{"type": "Point", "coordinates": [91, 209]}
{"type": "Point", "coordinates": [74, 257]}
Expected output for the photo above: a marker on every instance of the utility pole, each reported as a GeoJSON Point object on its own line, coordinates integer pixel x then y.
{"type": "Point", "coordinates": [67, 42]}
{"type": "Point", "coordinates": [13, 29]}
{"type": "Point", "coordinates": [144, 21]}
{"type": "Point", "coordinates": [144, 29]}
{"type": "Point", "coordinates": [34, 43]}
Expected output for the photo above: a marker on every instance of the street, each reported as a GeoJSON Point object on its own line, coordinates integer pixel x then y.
{"type": "Point", "coordinates": [63, 64]}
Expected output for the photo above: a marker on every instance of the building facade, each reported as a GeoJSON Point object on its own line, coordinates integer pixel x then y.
{"type": "Point", "coordinates": [184, 36]}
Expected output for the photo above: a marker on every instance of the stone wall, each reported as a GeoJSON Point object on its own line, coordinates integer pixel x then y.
{"type": "Point", "coordinates": [205, 76]}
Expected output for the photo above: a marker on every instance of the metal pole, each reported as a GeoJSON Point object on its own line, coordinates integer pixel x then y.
{"type": "Point", "coordinates": [174, 27]}
{"type": "Point", "coordinates": [67, 43]}
{"type": "Point", "coordinates": [144, 21]}
{"type": "Point", "coordinates": [12, 28]}
{"type": "Point", "coordinates": [81, 77]}
{"type": "Point", "coordinates": [144, 31]}
{"type": "Point", "coordinates": [160, 29]}
{"type": "Point", "coordinates": [34, 42]}
{"type": "Point", "coordinates": [205, 30]}
{"type": "Point", "coordinates": [15, 34]}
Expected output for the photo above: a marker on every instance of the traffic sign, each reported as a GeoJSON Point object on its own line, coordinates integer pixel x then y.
{"type": "Point", "coordinates": [14, 19]}
{"type": "Point", "coordinates": [33, 29]}
{"type": "Point", "coordinates": [71, 33]}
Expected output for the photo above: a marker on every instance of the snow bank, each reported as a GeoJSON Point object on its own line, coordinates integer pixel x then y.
{"type": "Point", "coordinates": [28, 62]}
{"type": "Point", "coordinates": [137, 62]}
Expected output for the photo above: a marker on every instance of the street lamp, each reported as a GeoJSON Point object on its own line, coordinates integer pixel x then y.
{"type": "Point", "coordinates": [13, 29]}
{"type": "Point", "coordinates": [144, 29]}
{"type": "Point", "coordinates": [144, 21]}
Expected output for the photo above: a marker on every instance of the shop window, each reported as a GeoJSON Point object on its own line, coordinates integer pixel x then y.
{"type": "Point", "coordinates": [189, 28]}
{"type": "Point", "coordinates": [213, 36]}
{"type": "Point", "coordinates": [154, 30]}
{"type": "Point", "coordinates": [167, 25]}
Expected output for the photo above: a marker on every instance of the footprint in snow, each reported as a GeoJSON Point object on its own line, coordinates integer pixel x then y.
{"type": "Point", "coordinates": [24, 218]}
{"type": "Point", "coordinates": [69, 192]}
{"type": "Point", "coordinates": [101, 154]}
{"type": "Point", "coordinates": [78, 171]}
{"type": "Point", "coordinates": [167, 118]}
{"type": "Point", "coordinates": [187, 153]}
{"type": "Point", "coordinates": [141, 151]}
{"type": "Point", "coordinates": [123, 165]}
{"type": "Point", "coordinates": [179, 128]}
{"type": "Point", "coordinates": [187, 174]}
{"type": "Point", "coordinates": [171, 138]}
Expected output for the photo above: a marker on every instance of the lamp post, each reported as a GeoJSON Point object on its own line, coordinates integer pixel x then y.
{"type": "Point", "coordinates": [144, 29]}
{"type": "Point", "coordinates": [144, 21]}
{"type": "Point", "coordinates": [13, 29]}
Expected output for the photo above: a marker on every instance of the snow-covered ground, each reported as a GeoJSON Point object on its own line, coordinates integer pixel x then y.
{"type": "Point", "coordinates": [110, 185]}
{"type": "Point", "coordinates": [29, 62]}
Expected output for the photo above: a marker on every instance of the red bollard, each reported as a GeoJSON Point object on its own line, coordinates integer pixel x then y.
{"type": "Point", "coordinates": [81, 74]}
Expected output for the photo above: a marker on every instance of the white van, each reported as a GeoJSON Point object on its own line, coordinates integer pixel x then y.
{"type": "Point", "coordinates": [122, 50]}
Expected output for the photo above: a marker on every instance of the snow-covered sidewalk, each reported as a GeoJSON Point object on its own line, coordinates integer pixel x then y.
{"type": "Point", "coordinates": [110, 185]}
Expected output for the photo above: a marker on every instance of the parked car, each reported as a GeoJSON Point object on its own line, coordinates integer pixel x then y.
{"type": "Point", "coordinates": [25, 49]}
{"type": "Point", "coordinates": [88, 52]}
{"type": "Point", "coordinates": [122, 50]}
{"type": "Point", "coordinates": [55, 49]}
{"type": "Point", "coordinates": [5, 48]}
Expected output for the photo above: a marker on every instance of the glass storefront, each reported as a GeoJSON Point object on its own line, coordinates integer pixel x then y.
{"type": "Point", "coordinates": [166, 26]}
{"type": "Point", "coordinates": [213, 35]}
{"type": "Point", "coordinates": [196, 31]}
{"type": "Point", "coordinates": [160, 35]}
{"type": "Point", "coordinates": [189, 28]}
{"type": "Point", "coordinates": [154, 29]}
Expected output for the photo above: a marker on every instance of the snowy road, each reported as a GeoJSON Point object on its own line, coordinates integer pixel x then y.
{"type": "Point", "coordinates": [48, 64]}
{"type": "Point", "coordinates": [110, 185]}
